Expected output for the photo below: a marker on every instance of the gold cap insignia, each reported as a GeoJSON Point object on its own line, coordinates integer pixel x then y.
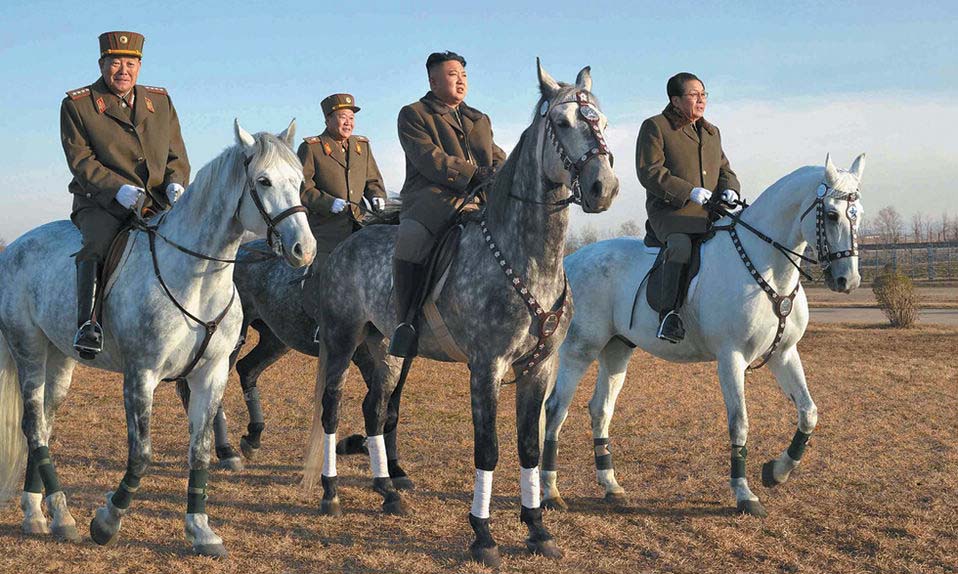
{"type": "Point", "coordinates": [124, 39]}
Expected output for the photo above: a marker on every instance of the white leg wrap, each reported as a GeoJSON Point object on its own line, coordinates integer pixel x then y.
{"type": "Point", "coordinates": [482, 494]}
{"type": "Point", "coordinates": [377, 456]}
{"type": "Point", "coordinates": [529, 486]}
{"type": "Point", "coordinates": [329, 454]}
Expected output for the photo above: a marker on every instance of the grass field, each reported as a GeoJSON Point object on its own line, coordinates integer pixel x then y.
{"type": "Point", "coordinates": [876, 492]}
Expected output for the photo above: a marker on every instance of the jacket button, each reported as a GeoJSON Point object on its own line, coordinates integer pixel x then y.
{"type": "Point", "coordinates": [139, 159]}
{"type": "Point", "coordinates": [704, 172]}
{"type": "Point", "coordinates": [89, 195]}
{"type": "Point", "coordinates": [451, 179]}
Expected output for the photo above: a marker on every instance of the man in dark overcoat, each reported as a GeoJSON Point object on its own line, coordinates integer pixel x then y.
{"type": "Point", "coordinates": [680, 162]}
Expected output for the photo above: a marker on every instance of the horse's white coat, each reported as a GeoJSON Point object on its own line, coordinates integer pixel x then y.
{"type": "Point", "coordinates": [727, 317]}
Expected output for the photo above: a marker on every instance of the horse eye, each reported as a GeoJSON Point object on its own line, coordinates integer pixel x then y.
{"type": "Point", "coordinates": [264, 181]}
{"type": "Point", "coordinates": [833, 216]}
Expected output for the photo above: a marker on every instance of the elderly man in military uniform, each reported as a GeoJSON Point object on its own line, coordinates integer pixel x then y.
{"type": "Point", "coordinates": [680, 163]}
{"type": "Point", "coordinates": [122, 141]}
{"type": "Point", "coordinates": [339, 171]}
{"type": "Point", "coordinates": [449, 151]}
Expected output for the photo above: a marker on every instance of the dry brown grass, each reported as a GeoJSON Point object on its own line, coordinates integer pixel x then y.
{"type": "Point", "coordinates": [875, 493]}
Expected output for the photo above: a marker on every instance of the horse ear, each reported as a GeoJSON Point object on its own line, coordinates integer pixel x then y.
{"type": "Point", "coordinates": [858, 166]}
{"type": "Point", "coordinates": [584, 80]}
{"type": "Point", "coordinates": [242, 136]}
{"type": "Point", "coordinates": [289, 134]}
{"type": "Point", "coordinates": [547, 85]}
{"type": "Point", "coordinates": [831, 172]}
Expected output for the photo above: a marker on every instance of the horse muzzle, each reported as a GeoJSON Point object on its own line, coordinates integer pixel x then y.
{"type": "Point", "coordinates": [598, 195]}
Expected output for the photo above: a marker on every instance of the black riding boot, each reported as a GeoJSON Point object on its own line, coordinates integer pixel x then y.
{"type": "Point", "coordinates": [671, 328]}
{"type": "Point", "coordinates": [89, 338]}
{"type": "Point", "coordinates": [408, 279]}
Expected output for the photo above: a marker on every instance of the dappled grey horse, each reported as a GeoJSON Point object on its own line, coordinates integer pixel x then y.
{"type": "Point", "coordinates": [504, 303]}
{"type": "Point", "coordinates": [169, 315]}
{"type": "Point", "coordinates": [745, 307]}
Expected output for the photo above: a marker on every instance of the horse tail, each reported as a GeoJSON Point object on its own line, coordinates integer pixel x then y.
{"type": "Point", "coordinates": [313, 465]}
{"type": "Point", "coordinates": [13, 446]}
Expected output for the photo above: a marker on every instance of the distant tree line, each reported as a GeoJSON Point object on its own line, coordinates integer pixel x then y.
{"type": "Point", "coordinates": [888, 226]}
{"type": "Point", "coordinates": [589, 234]}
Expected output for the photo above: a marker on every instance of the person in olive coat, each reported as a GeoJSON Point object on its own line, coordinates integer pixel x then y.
{"type": "Point", "coordinates": [680, 162]}
{"type": "Point", "coordinates": [122, 141]}
{"type": "Point", "coordinates": [339, 170]}
{"type": "Point", "coordinates": [449, 151]}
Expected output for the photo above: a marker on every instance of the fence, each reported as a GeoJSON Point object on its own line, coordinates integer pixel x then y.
{"type": "Point", "coordinates": [920, 261]}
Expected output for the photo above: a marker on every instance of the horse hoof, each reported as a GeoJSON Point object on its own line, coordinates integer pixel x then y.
{"type": "Point", "coordinates": [233, 463]}
{"type": "Point", "coordinates": [615, 496]}
{"type": "Point", "coordinates": [66, 533]}
{"type": "Point", "coordinates": [768, 475]}
{"type": "Point", "coordinates": [35, 527]}
{"type": "Point", "coordinates": [547, 548]}
{"type": "Point", "coordinates": [353, 444]}
{"type": "Point", "coordinates": [396, 507]}
{"type": "Point", "coordinates": [214, 550]}
{"type": "Point", "coordinates": [330, 507]}
{"type": "Point", "coordinates": [102, 535]}
{"type": "Point", "coordinates": [752, 508]}
{"type": "Point", "coordinates": [555, 504]}
{"type": "Point", "coordinates": [249, 451]}
{"type": "Point", "coordinates": [488, 556]}
{"type": "Point", "coordinates": [403, 483]}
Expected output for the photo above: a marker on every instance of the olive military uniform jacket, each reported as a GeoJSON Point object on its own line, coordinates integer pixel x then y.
{"type": "Point", "coordinates": [672, 156]}
{"type": "Point", "coordinates": [108, 145]}
{"type": "Point", "coordinates": [442, 155]}
{"type": "Point", "coordinates": [329, 173]}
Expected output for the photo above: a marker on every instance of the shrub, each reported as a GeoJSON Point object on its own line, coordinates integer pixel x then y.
{"type": "Point", "coordinates": [896, 297]}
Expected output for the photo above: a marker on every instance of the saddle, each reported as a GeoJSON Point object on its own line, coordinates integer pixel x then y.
{"type": "Point", "coordinates": [114, 259]}
{"type": "Point", "coordinates": [653, 294]}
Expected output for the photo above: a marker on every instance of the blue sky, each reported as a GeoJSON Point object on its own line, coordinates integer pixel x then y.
{"type": "Point", "coordinates": [788, 83]}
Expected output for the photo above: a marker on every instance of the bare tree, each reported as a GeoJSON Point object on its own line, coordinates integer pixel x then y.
{"type": "Point", "coordinates": [917, 227]}
{"type": "Point", "coordinates": [954, 228]}
{"type": "Point", "coordinates": [888, 224]}
{"type": "Point", "coordinates": [3, 244]}
{"type": "Point", "coordinates": [629, 229]}
{"type": "Point", "coordinates": [944, 227]}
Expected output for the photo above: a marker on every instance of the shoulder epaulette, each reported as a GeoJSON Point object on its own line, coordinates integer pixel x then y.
{"type": "Point", "coordinates": [155, 89]}
{"type": "Point", "coordinates": [78, 93]}
{"type": "Point", "coordinates": [312, 139]}
{"type": "Point", "coordinates": [362, 139]}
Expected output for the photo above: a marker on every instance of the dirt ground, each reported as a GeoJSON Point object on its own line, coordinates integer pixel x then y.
{"type": "Point", "coordinates": [876, 492]}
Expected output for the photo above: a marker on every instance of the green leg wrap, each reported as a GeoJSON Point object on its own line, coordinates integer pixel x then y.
{"type": "Point", "coordinates": [797, 448]}
{"type": "Point", "coordinates": [196, 492]}
{"type": "Point", "coordinates": [32, 482]}
{"type": "Point", "coordinates": [124, 493]}
{"type": "Point", "coordinates": [41, 455]}
{"type": "Point", "coordinates": [738, 461]}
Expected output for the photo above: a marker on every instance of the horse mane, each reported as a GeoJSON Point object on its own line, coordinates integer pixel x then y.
{"type": "Point", "coordinates": [227, 168]}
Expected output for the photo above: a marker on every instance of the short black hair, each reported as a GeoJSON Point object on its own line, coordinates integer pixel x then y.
{"type": "Point", "coordinates": [676, 83]}
{"type": "Point", "coordinates": [437, 58]}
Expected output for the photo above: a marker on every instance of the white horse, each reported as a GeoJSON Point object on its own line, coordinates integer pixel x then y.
{"type": "Point", "coordinates": [729, 316]}
{"type": "Point", "coordinates": [148, 337]}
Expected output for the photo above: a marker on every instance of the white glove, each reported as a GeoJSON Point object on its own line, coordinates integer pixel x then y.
{"type": "Point", "coordinates": [379, 204]}
{"type": "Point", "coordinates": [338, 205]}
{"type": "Point", "coordinates": [700, 195]}
{"type": "Point", "coordinates": [730, 196]}
{"type": "Point", "coordinates": [173, 192]}
{"type": "Point", "coordinates": [128, 195]}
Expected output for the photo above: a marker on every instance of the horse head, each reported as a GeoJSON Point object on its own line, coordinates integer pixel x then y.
{"type": "Point", "coordinates": [830, 222]}
{"type": "Point", "coordinates": [574, 127]}
{"type": "Point", "coordinates": [274, 176]}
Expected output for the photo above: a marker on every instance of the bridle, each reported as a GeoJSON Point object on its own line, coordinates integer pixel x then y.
{"type": "Point", "coordinates": [825, 255]}
{"type": "Point", "coordinates": [271, 222]}
{"type": "Point", "coordinates": [590, 114]}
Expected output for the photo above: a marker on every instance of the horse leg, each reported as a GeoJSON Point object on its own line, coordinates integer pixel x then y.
{"type": "Point", "coordinates": [31, 356]}
{"type": "Point", "coordinates": [788, 371]}
{"type": "Point", "coordinates": [138, 401]}
{"type": "Point", "coordinates": [59, 375]}
{"type": "Point", "coordinates": [382, 386]}
{"type": "Point", "coordinates": [229, 459]}
{"type": "Point", "coordinates": [572, 366]}
{"type": "Point", "coordinates": [206, 386]}
{"type": "Point", "coordinates": [484, 384]}
{"type": "Point", "coordinates": [530, 395]}
{"type": "Point", "coordinates": [368, 356]}
{"type": "Point", "coordinates": [613, 362]}
{"type": "Point", "coordinates": [267, 351]}
{"type": "Point", "coordinates": [731, 371]}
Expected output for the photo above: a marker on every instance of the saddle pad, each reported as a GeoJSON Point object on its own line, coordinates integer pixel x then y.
{"type": "Point", "coordinates": [116, 257]}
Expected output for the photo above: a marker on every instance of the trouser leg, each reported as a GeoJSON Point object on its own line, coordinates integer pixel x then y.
{"type": "Point", "coordinates": [413, 247]}
{"type": "Point", "coordinates": [678, 251]}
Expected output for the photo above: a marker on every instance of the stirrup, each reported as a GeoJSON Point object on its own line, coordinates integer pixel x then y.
{"type": "Point", "coordinates": [89, 340]}
{"type": "Point", "coordinates": [404, 342]}
{"type": "Point", "coordinates": [671, 330]}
